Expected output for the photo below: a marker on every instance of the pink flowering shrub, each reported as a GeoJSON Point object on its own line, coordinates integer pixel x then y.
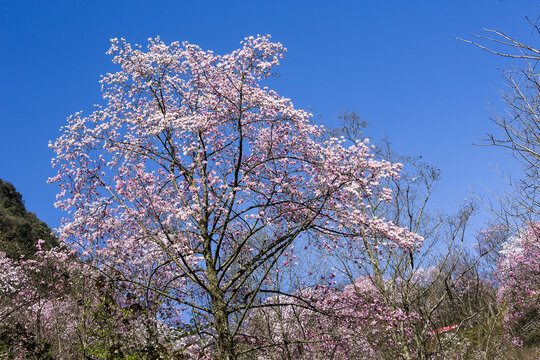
{"type": "Point", "coordinates": [56, 306]}
{"type": "Point", "coordinates": [10, 276]}
{"type": "Point", "coordinates": [519, 291]}
{"type": "Point", "coordinates": [32, 303]}
{"type": "Point", "coordinates": [324, 322]}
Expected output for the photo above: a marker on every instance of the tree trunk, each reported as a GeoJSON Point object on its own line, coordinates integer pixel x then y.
{"type": "Point", "coordinates": [225, 341]}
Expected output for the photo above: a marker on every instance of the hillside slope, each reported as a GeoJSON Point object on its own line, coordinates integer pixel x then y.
{"type": "Point", "coordinates": [20, 229]}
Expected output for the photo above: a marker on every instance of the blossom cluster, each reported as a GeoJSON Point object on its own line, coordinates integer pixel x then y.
{"type": "Point", "coordinates": [519, 276]}
{"type": "Point", "coordinates": [353, 323]}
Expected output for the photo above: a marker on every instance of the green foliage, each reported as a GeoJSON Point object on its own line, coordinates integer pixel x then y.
{"type": "Point", "coordinates": [18, 334]}
{"type": "Point", "coordinates": [20, 229]}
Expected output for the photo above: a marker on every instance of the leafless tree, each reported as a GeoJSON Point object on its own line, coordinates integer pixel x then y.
{"type": "Point", "coordinates": [519, 124]}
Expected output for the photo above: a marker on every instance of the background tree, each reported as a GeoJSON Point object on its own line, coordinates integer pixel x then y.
{"type": "Point", "coordinates": [444, 283]}
{"type": "Point", "coordinates": [519, 125]}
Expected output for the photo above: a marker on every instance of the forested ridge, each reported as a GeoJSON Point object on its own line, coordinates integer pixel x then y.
{"type": "Point", "coordinates": [20, 229]}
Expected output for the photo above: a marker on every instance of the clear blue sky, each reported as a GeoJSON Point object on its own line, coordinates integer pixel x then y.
{"type": "Point", "coordinates": [396, 63]}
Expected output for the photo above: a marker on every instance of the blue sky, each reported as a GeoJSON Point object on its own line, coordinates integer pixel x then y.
{"type": "Point", "coordinates": [396, 63]}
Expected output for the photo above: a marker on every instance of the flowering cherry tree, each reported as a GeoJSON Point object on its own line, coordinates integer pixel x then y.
{"type": "Point", "coordinates": [193, 179]}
